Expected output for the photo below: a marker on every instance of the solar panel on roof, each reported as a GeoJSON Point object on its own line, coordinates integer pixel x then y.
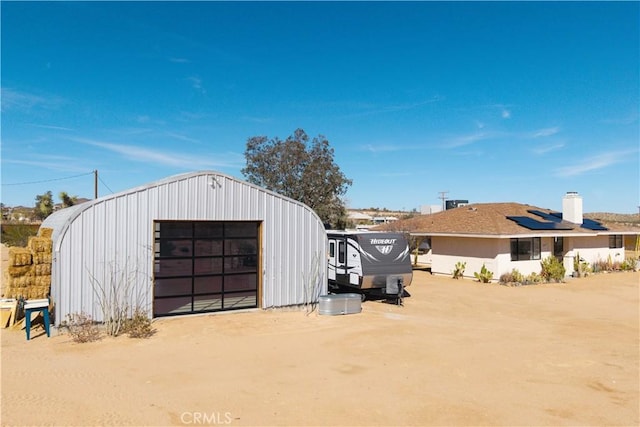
{"type": "Point", "coordinates": [590, 224]}
{"type": "Point", "coordinates": [533, 224]}
{"type": "Point", "coordinates": [553, 216]}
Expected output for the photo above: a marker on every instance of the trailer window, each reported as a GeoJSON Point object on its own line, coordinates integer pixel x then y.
{"type": "Point", "coordinates": [341, 252]}
{"type": "Point", "coordinates": [332, 249]}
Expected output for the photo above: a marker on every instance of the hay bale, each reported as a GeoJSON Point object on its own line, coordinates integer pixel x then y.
{"type": "Point", "coordinates": [23, 281]}
{"type": "Point", "coordinates": [37, 292]}
{"type": "Point", "coordinates": [40, 244]}
{"type": "Point", "coordinates": [42, 258]}
{"type": "Point", "coordinates": [42, 269]}
{"type": "Point", "coordinates": [19, 257]}
{"type": "Point", "coordinates": [43, 281]}
{"type": "Point", "coordinates": [19, 271]}
{"type": "Point", "coordinates": [45, 232]}
{"type": "Point", "coordinates": [11, 293]}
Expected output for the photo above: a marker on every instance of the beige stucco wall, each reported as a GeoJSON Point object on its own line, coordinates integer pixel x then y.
{"type": "Point", "coordinates": [591, 249]}
{"type": "Point", "coordinates": [495, 254]}
{"type": "Point", "coordinates": [447, 251]}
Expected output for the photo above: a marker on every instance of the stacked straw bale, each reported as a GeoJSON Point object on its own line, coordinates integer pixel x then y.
{"type": "Point", "coordinates": [29, 272]}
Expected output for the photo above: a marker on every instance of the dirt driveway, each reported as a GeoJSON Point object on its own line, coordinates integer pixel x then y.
{"type": "Point", "coordinates": [459, 353]}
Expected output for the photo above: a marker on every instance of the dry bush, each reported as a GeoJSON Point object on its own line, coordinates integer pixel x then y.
{"type": "Point", "coordinates": [139, 326]}
{"type": "Point", "coordinates": [81, 327]}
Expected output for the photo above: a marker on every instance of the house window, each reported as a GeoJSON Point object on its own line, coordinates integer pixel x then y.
{"type": "Point", "coordinates": [558, 247]}
{"type": "Point", "coordinates": [615, 241]}
{"type": "Point", "coordinates": [525, 249]}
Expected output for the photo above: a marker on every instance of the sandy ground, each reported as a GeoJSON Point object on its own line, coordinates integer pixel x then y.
{"type": "Point", "coordinates": [459, 353]}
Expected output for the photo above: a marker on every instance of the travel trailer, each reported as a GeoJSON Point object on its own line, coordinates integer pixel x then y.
{"type": "Point", "coordinates": [374, 263]}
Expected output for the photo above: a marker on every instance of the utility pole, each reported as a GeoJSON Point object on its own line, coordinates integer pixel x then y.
{"type": "Point", "coordinates": [443, 196]}
{"type": "Point", "coordinates": [95, 184]}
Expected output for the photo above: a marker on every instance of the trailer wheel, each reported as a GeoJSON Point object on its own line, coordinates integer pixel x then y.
{"type": "Point", "coordinates": [363, 296]}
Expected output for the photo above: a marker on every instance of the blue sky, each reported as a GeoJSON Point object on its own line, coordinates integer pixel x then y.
{"type": "Point", "coordinates": [491, 102]}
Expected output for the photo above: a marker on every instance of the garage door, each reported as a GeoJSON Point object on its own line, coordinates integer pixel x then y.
{"type": "Point", "coordinates": [205, 266]}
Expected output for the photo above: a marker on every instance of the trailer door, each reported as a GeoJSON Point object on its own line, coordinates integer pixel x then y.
{"type": "Point", "coordinates": [332, 259]}
{"type": "Point", "coordinates": [341, 264]}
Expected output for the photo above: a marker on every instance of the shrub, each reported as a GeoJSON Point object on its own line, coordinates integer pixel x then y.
{"type": "Point", "coordinates": [599, 266]}
{"type": "Point", "coordinates": [484, 276]}
{"type": "Point", "coordinates": [81, 327]}
{"type": "Point", "coordinates": [139, 326]}
{"type": "Point", "coordinates": [458, 271]}
{"type": "Point", "coordinates": [629, 264]}
{"type": "Point", "coordinates": [533, 278]}
{"type": "Point", "coordinates": [552, 269]}
{"type": "Point", "coordinates": [18, 234]}
{"type": "Point", "coordinates": [581, 268]}
{"type": "Point", "coordinates": [512, 277]}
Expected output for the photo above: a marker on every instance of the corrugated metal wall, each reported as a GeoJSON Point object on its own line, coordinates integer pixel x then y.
{"type": "Point", "coordinates": [108, 242]}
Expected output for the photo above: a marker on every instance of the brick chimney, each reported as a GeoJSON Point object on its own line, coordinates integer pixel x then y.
{"type": "Point", "coordinates": [572, 207]}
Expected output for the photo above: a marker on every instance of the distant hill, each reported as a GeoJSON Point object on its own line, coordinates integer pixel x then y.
{"type": "Point", "coordinates": [632, 219]}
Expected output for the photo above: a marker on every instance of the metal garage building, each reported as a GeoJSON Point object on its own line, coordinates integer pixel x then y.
{"type": "Point", "coordinates": [192, 243]}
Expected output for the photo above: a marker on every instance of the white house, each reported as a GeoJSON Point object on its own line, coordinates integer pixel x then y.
{"type": "Point", "coordinates": [504, 236]}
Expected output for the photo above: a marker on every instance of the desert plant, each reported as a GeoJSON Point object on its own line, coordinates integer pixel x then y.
{"type": "Point", "coordinates": [81, 327]}
{"type": "Point", "coordinates": [533, 278]}
{"type": "Point", "coordinates": [484, 275]}
{"type": "Point", "coordinates": [18, 234]}
{"type": "Point", "coordinates": [599, 266]}
{"type": "Point", "coordinates": [552, 269]}
{"type": "Point", "coordinates": [115, 296]}
{"type": "Point", "coordinates": [458, 270]}
{"type": "Point", "coordinates": [514, 276]}
{"type": "Point", "coordinates": [629, 264]}
{"type": "Point", "coordinates": [581, 268]}
{"type": "Point", "coordinates": [139, 325]}
{"type": "Point", "coordinates": [312, 285]}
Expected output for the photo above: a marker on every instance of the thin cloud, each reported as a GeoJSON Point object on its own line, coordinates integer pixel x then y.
{"type": "Point", "coordinates": [467, 139]}
{"type": "Point", "coordinates": [394, 174]}
{"type": "Point", "coordinates": [594, 163]}
{"type": "Point", "coordinates": [541, 133]}
{"type": "Point", "coordinates": [196, 83]}
{"type": "Point", "coordinates": [155, 156]}
{"type": "Point", "coordinates": [16, 100]}
{"type": "Point", "coordinates": [392, 108]}
{"type": "Point", "coordinates": [257, 119]}
{"type": "Point", "coordinates": [505, 111]}
{"type": "Point", "coordinates": [54, 163]}
{"type": "Point", "coordinates": [52, 127]}
{"type": "Point", "coordinates": [179, 60]}
{"type": "Point", "coordinates": [544, 149]}
{"type": "Point", "coordinates": [382, 148]}
{"type": "Point", "coordinates": [630, 119]}
{"type": "Point", "coordinates": [181, 137]}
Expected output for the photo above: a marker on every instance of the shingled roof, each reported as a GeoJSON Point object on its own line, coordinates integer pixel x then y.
{"type": "Point", "coordinates": [489, 220]}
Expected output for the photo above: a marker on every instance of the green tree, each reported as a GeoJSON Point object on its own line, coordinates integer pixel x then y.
{"type": "Point", "coordinates": [302, 170]}
{"type": "Point", "coordinates": [67, 200]}
{"type": "Point", "coordinates": [44, 205]}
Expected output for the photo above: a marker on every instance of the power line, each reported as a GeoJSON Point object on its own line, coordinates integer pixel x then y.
{"type": "Point", "coordinates": [49, 180]}
{"type": "Point", "coordinates": [103, 183]}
